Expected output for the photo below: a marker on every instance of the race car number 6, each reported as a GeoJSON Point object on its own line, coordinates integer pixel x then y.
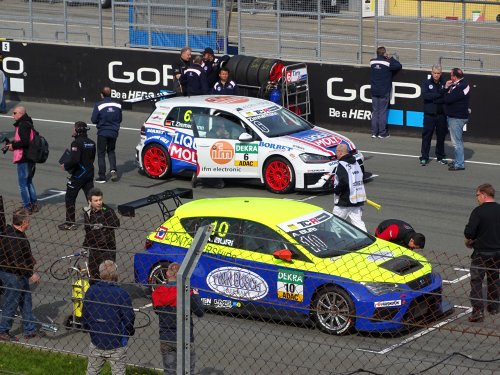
{"type": "Point", "coordinates": [187, 115]}
{"type": "Point", "coordinates": [221, 228]}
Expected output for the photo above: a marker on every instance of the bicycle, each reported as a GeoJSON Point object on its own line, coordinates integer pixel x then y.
{"type": "Point", "coordinates": [68, 265]}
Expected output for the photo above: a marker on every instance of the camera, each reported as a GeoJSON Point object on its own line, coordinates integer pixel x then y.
{"type": "Point", "coordinates": [5, 148]}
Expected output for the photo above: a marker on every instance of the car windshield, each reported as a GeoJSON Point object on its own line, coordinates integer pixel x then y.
{"type": "Point", "coordinates": [276, 121]}
{"type": "Point", "coordinates": [325, 235]}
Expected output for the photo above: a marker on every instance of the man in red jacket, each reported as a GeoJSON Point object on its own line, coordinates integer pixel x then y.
{"type": "Point", "coordinates": [400, 233]}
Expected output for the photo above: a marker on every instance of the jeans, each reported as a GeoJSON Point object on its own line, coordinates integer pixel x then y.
{"type": "Point", "coordinates": [431, 123]}
{"type": "Point", "coordinates": [484, 265]}
{"type": "Point", "coordinates": [456, 126]}
{"type": "Point", "coordinates": [379, 115]}
{"type": "Point", "coordinates": [3, 105]}
{"type": "Point", "coordinates": [25, 172]}
{"type": "Point", "coordinates": [98, 357]}
{"type": "Point", "coordinates": [105, 145]}
{"type": "Point", "coordinates": [169, 355]}
{"type": "Point", "coordinates": [17, 293]}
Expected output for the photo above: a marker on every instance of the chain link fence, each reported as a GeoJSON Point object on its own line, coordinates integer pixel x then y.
{"type": "Point", "coordinates": [228, 341]}
{"type": "Point", "coordinates": [421, 32]}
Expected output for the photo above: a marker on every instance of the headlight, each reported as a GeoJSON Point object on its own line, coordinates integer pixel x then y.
{"type": "Point", "coordinates": [315, 159]}
{"type": "Point", "coordinates": [382, 288]}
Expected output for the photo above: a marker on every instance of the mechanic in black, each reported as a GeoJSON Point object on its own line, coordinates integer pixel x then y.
{"type": "Point", "coordinates": [194, 79]}
{"type": "Point", "coordinates": [434, 118]}
{"type": "Point", "coordinates": [225, 86]}
{"type": "Point", "coordinates": [100, 224]}
{"type": "Point", "coordinates": [211, 65]}
{"type": "Point", "coordinates": [482, 233]}
{"type": "Point", "coordinates": [401, 233]}
{"type": "Point", "coordinates": [180, 68]}
{"type": "Point", "coordinates": [80, 165]}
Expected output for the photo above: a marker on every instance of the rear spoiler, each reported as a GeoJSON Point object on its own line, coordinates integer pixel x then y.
{"type": "Point", "coordinates": [163, 94]}
{"type": "Point", "coordinates": [128, 209]}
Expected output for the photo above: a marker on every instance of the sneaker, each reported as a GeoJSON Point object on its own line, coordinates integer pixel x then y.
{"type": "Point", "coordinates": [35, 334]}
{"type": "Point", "coordinates": [67, 226]}
{"type": "Point", "coordinates": [6, 336]}
{"type": "Point", "coordinates": [374, 136]}
{"type": "Point", "coordinates": [114, 176]}
{"type": "Point", "coordinates": [384, 136]}
{"type": "Point", "coordinates": [424, 162]}
{"type": "Point", "coordinates": [100, 180]}
{"type": "Point", "coordinates": [454, 168]}
{"type": "Point", "coordinates": [477, 316]}
{"type": "Point", "coordinates": [35, 208]}
{"type": "Point", "coordinates": [442, 161]}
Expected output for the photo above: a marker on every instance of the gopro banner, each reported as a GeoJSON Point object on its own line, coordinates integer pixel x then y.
{"type": "Point", "coordinates": [340, 94]}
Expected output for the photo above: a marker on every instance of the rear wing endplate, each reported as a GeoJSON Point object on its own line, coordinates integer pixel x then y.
{"type": "Point", "coordinates": [128, 209]}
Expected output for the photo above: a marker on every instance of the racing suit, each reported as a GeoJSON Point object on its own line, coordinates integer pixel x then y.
{"type": "Point", "coordinates": [81, 167]}
{"type": "Point", "coordinates": [395, 231]}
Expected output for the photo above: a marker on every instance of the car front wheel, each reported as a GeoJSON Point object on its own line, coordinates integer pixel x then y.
{"type": "Point", "coordinates": [279, 176]}
{"type": "Point", "coordinates": [156, 161]}
{"type": "Point", "coordinates": [333, 310]}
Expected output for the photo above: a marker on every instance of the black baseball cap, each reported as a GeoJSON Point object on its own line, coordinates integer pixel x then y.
{"type": "Point", "coordinates": [208, 50]}
{"type": "Point", "coordinates": [81, 126]}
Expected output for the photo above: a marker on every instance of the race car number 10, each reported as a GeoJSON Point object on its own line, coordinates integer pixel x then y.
{"type": "Point", "coordinates": [220, 228]}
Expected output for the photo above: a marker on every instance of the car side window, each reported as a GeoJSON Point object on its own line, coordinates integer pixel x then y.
{"type": "Point", "coordinates": [184, 117]}
{"type": "Point", "coordinates": [218, 126]}
{"type": "Point", "coordinates": [226, 231]}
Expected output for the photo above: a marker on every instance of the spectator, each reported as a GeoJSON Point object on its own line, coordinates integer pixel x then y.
{"type": "Point", "coordinates": [100, 224]}
{"type": "Point", "coordinates": [23, 135]}
{"type": "Point", "coordinates": [382, 69]}
{"type": "Point", "coordinates": [165, 305]}
{"type": "Point", "coordinates": [81, 167]}
{"type": "Point", "coordinates": [3, 88]}
{"type": "Point", "coordinates": [211, 65]}
{"type": "Point", "coordinates": [180, 68]}
{"type": "Point", "coordinates": [400, 233]}
{"type": "Point", "coordinates": [434, 117]}
{"type": "Point", "coordinates": [16, 272]}
{"type": "Point", "coordinates": [482, 234]}
{"type": "Point", "coordinates": [107, 115]}
{"type": "Point", "coordinates": [225, 86]}
{"type": "Point", "coordinates": [109, 318]}
{"type": "Point", "coordinates": [456, 107]}
{"type": "Point", "coordinates": [194, 79]}
{"type": "Point", "coordinates": [349, 190]}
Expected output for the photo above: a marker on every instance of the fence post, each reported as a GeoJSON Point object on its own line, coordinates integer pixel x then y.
{"type": "Point", "coordinates": [183, 298]}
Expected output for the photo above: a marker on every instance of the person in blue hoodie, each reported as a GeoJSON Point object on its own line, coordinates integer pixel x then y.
{"type": "Point", "coordinates": [165, 305]}
{"type": "Point", "coordinates": [107, 116]}
{"type": "Point", "coordinates": [109, 318]}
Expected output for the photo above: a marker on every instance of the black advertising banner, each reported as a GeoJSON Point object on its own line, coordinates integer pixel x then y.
{"type": "Point", "coordinates": [340, 94]}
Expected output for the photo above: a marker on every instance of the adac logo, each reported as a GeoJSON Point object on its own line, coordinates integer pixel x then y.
{"type": "Point", "coordinates": [222, 152]}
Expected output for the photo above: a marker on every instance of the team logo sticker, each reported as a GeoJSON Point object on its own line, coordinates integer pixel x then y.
{"type": "Point", "coordinates": [161, 232]}
{"type": "Point", "coordinates": [222, 152]}
{"type": "Point", "coordinates": [237, 283]}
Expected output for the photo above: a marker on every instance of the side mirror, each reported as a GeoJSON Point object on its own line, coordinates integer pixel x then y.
{"type": "Point", "coordinates": [283, 254]}
{"type": "Point", "coordinates": [245, 137]}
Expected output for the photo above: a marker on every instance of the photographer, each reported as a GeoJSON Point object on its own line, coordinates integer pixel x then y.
{"type": "Point", "coordinates": [80, 165]}
{"type": "Point", "coordinates": [23, 135]}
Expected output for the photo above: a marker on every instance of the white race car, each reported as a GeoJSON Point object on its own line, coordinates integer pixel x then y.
{"type": "Point", "coordinates": [218, 136]}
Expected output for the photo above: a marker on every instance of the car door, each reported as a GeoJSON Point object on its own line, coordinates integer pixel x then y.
{"type": "Point", "coordinates": [221, 153]}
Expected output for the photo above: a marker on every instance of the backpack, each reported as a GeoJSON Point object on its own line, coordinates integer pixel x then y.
{"type": "Point", "coordinates": [38, 150]}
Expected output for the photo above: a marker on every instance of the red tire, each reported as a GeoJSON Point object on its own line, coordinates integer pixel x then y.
{"type": "Point", "coordinates": [156, 161]}
{"type": "Point", "coordinates": [279, 176]}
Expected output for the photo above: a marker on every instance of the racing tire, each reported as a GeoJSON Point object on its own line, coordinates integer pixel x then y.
{"type": "Point", "coordinates": [333, 310]}
{"type": "Point", "coordinates": [105, 4]}
{"type": "Point", "coordinates": [158, 275]}
{"type": "Point", "coordinates": [156, 161]}
{"type": "Point", "coordinates": [279, 176]}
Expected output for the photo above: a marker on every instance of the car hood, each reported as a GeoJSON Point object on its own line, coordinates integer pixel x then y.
{"type": "Point", "coordinates": [380, 262]}
{"type": "Point", "coordinates": [324, 139]}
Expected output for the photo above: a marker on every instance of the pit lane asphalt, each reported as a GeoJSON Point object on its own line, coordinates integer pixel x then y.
{"type": "Point", "coordinates": [435, 201]}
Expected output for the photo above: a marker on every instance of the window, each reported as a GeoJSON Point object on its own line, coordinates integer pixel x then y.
{"type": "Point", "coordinates": [182, 117]}
{"type": "Point", "coordinates": [222, 125]}
{"type": "Point", "coordinates": [226, 231]}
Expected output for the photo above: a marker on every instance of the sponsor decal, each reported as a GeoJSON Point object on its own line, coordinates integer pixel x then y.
{"type": "Point", "coordinates": [155, 131]}
{"type": "Point", "coordinates": [227, 99]}
{"type": "Point", "coordinates": [388, 303]}
{"type": "Point", "coordinates": [291, 285]}
{"type": "Point", "coordinates": [305, 221]}
{"type": "Point", "coordinates": [222, 152]}
{"type": "Point", "coordinates": [379, 256]}
{"type": "Point", "coordinates": [161, 232]}
{"type": "Point", "coordinates": [221, 169]}
{"type": "Point", "coordinates": [246, 155]}
{"type": "Point", "coordinates": [274, 146]}
{"type": "Point", "coordinates": [246, 148]}
{"type": "Point", "coordinates": [220, 303]}
{"type": "Point", "coordinates": [246, 163]}
{"type": "Point", "coordinates": [296, 75]}
{"type": "Point", "coordinates": [183, 148]}
{"type": "Point", "coordinates": [238, 283]}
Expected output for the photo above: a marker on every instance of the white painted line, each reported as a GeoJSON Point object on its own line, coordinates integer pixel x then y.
{"type": "Point", "coordinates": [57, 193]}
{"type": "Point", "coordinates": [461, 278]}
{"type": "Point", "coordinates": [146, 306]}
{"type": "Point", "coordinates": [306, 199]}
{"type": "Point", "coordinates": [467, 311]}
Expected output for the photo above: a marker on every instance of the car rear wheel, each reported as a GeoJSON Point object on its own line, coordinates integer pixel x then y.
{"type": "Point", "coordinates": [158, 275]}
{"type": "Point", "coordinates": [156, 161]}
{"type": "Point", "coordinates": [333, 310]}
{"type": "Point", "coordinates": [279, 176]}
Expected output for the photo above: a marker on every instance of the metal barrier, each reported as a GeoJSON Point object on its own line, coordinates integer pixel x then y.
{"type": "Point", "coordinates": [341, 31]}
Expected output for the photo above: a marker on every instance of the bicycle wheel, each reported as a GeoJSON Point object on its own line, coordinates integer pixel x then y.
{"type": "Point", "coordinates": [64, 267]}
